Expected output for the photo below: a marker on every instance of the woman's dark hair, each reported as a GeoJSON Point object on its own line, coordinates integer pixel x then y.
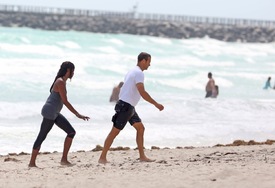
{"type": "Point", "coordinates": [63, 70]}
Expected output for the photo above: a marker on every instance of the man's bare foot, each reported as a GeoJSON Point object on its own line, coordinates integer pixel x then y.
{"type": "Point", "coordinates": [102, 161]}
{"type": "Point", "coordinates": [66, 163]}
{"type": "Point", "coordinates": [146, 160]}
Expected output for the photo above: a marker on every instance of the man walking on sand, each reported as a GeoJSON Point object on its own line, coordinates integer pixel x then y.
{"type": "Point", "coordinates": [130, 94]}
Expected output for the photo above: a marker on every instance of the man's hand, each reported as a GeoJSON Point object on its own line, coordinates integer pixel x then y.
{"type": "Point", "coordinates": [159, 106]}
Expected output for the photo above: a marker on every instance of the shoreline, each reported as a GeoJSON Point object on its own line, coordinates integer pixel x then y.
{"type": "Point", "coordinates": [125, 148]}
{"type": "Point", "coordinates": [244, 166]}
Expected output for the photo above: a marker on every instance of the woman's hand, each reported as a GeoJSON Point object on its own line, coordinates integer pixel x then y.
{"type": "Point", "coordinates": [85, 118]}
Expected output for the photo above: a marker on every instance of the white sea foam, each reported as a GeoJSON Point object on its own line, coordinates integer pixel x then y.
{"type": "Point", "coordinates": [162, 41]}
{"type": "Point", "coordinates": [116, 42]}
{"type": "Point", "coordinates": [32, 49]}
{"type": "Point", "coordinates": [69, 44]}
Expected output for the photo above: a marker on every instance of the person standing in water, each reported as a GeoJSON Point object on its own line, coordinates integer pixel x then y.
{"type": "Point", "coordinates": [210, 86]}
{"type": "Point", "coordinates": [51, 113]}
{"type": "Point", "coordinates": [267, 83]}
{"type": "Point", "coordinates": [130, 94]}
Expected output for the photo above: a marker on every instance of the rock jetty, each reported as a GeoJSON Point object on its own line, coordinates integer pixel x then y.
{"type": "Point", "coordinates": [168, 29]}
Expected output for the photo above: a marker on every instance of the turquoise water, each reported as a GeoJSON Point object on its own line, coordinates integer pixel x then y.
{"type": "Point", "coordinates": [176, 78]}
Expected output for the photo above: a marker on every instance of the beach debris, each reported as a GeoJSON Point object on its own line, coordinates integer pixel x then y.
{"type": "Point", "coordinates": [97, 148]}
{"type": "Point", "coordinates": [189, 147]}
{"type": "Point", "coordinates": [15, 154]}
{"type": "Point", "coordinates": [162, 162]}
{"type": "Point", "coordinates": [155, 147]}
{"type": "Point", "coordinates": [12, 154]}
{"type": "Point", "coordinates": [23, 153]}
{"type": "Point", "coordinates": [231, 153]}
{"type": "Point", "coordinates": [45, 153]}
{"type": "Point", "coordinates": [11, 159]}
{"type": "Point", "coordinates": [192, 160]}
{"type": "Point", "coordinates": [244, 143]}
{"type": "Point", "coordinates": [119, 148]}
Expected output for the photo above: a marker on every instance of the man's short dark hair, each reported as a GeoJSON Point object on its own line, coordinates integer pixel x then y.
{"type": "Point", "coordinates": [143, 55]}
{"type": "Point", "coordinates": [209, 75]}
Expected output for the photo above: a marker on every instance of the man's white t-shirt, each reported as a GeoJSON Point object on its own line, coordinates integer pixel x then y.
{"type": "Point", "coordinates": [129, 92]}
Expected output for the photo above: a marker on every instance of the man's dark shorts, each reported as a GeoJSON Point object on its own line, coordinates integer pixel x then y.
{"type": "Point", "coordinates": [208, 94]}
{"type": "Point", "coordinates": [124, 113]}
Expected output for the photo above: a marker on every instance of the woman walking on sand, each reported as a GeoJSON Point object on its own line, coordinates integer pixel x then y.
{"type": "Point", "coordinates": [51, 113]}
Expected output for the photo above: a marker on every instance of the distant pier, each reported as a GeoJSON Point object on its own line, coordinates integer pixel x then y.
{"type": "Point", "coordinates": [159, 25]}
{"type": "Point", "coordinates": [136, 15]}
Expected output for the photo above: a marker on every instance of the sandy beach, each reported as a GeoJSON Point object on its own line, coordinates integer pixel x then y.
{"type": "Point", "coordinates": [233, 166]}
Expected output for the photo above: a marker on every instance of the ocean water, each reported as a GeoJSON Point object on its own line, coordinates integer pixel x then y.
{"type": "Point", "coordinates": [177, 77]}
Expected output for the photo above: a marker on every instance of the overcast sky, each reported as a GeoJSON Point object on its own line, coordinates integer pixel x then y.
{"type": "Point", "coordinates": [247, 9]}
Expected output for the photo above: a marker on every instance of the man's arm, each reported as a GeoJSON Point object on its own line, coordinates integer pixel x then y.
{"type": "Point", "coordinates": [147, 97]}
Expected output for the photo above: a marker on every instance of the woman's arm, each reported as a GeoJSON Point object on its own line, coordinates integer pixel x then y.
{"type": "Point", "coordinates": [61, 87]}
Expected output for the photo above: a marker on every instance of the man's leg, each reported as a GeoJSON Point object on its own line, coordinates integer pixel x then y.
{"type": "Point", "coordinates": [107, 144]}
{"type": "Point", "coordinates": [140, 142]}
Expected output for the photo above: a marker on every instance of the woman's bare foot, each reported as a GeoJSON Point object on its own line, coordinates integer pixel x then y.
{"type": "Point", "coordinates": [32, 165]}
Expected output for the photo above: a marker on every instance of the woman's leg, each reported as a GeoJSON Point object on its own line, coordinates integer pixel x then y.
{"type": "Point", "coordinates": [65, 125]}
{"type": "Point", "coordinates": [33, 157]}
{"type": "Point", "coordinates": [45, 128]}
{"type": "Point", "coordinates": [67, 145]}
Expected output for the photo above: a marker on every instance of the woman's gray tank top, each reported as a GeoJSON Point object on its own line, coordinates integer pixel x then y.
{"type": "Point", "coordinates": [52, 107]}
